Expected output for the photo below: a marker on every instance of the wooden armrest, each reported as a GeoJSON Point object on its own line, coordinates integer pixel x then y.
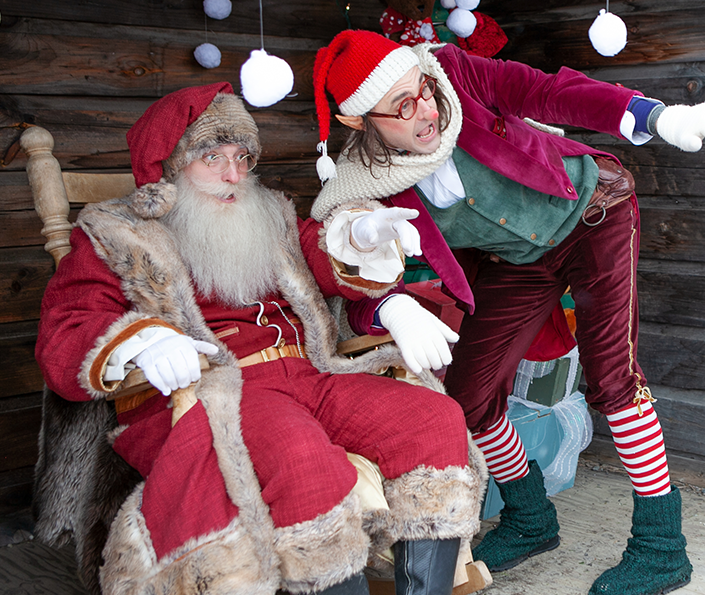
{"type": "Point", "coordinates": [361, 344]}
{"type": "Point", "coordinates": [135, 382]}
{"type": "Point", "coordinates": [182, 399]}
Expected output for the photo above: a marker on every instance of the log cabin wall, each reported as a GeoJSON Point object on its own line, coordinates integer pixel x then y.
{"type": "Point", "coordinates": [87, 69]}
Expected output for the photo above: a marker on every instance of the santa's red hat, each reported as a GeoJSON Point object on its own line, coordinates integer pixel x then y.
{"type": "Point", "coordinates": [183, 125]}
{"type": "Point", "coordinates": [358, 68]}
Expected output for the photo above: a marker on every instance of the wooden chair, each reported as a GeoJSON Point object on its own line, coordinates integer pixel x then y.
{"type": "Point", "coordinates": [55, 191]}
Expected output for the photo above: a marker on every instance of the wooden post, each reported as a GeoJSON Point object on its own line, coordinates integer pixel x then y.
{"type": "Point", "coordinates": [50, 200]}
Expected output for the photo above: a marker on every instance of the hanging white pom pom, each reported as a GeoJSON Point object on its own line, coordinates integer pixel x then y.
{"type": "Point", "coordinates": [608, 34]}
{"type": "Point", "coordinates": [217, 9]}
{"type": "Point", "coordinates": [426, 31]}
{"type": "Point", "coordinates": [325, 166]}
{"type": "Point", "coordinates": [468, 4]}
{"type": "Point", "coordinates": [207, 55]}
{"type": "Point", "coordinates": [448, 4]}
{"type": "Point", "coordinates": [461, 22]}
{"type": "Point", "coordinates": [265, 79]}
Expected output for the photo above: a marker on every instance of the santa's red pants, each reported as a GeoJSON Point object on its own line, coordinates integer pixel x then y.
{"type": "Point", "coordinates": [299, 427]}
{"type": "Point", "coordinates": [512, 302]}
{"type": "Point", "coordinates": [297, 424]}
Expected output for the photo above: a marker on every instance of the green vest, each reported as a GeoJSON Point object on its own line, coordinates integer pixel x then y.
{"type": "Point", "coordinates": [508, 219]}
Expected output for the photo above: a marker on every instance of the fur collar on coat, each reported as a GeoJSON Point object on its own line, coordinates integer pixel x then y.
{"type": "Point", "coordinates": [128, 235]}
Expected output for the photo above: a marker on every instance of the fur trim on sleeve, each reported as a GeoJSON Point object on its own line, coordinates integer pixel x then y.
{"type": "Point", "coordinates": [344, 275]}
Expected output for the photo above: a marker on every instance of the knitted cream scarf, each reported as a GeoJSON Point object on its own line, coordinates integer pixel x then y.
{"type": "Point", "coordinates": [355, 182]}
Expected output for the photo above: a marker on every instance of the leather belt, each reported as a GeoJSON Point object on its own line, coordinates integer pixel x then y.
{"type": "Point", "coordinates": [271, 354]}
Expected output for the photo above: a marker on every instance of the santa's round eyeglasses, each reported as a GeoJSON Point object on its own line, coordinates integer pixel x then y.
{"type": "Point", "coordinates": [219, 163]}
{"type": "Point", "coordinates": [407, 109]}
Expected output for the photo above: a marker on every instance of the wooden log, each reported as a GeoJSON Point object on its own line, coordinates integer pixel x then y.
{"type": "Point", "coordinates": [19, 372]}
{"type": "Point", "coordinates": [89, 133]}
{"type": "Point", "coordinates": [675, 233]}
{"type": "Point", "coordinates": [672, 355]}
{"type": "Point", "coordinates": [121, 61]}
{"type": "Point", "coordinates": [511, 13]}
{"type": "Point", "coordinates": [314, 18]}
{"type": "Point", "coordinates": [24, 273]}
{"type": "Point", "coordinates": [674, 36]}
{"type": "Point", "coordinates": [18, 438]}
{"type": "Point", "coordinates": [671, 292]}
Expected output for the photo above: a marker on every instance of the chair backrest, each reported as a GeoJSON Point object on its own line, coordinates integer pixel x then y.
{"type": "Point", "coordinates": [54, 191]}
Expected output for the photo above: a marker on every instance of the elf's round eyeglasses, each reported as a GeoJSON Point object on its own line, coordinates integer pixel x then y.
{"type": "Point", "coordinates": [407, 109]}
{"type": "Point", "coordinates": [219, 163]}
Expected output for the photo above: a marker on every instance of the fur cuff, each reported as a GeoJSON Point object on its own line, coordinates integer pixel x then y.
{"type": "Point", "coordinates": [91, 376]}
{"type": "Point", "coordinates": [348, 277]}
{"type": "Point", "coordinates": [223, 562]}
{"type": "Point", "coordinates": [427, 503]}
{"type": "Point", "coordinates": [325, 551]}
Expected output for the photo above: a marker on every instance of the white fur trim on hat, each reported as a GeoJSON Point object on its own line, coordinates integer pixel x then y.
{"type": "Point", "coordinates": [394, 66]}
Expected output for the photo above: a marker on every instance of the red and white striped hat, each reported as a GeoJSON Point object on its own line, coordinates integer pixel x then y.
{"type": "Point", "coordinates": [357, 68]}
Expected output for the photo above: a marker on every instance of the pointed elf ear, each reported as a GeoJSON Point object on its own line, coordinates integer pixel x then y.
{"type": "Point", "coordinates": [354, 122]}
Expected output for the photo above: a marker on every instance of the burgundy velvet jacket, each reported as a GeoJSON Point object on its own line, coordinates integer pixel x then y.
{"type": "Point", "coordinates": [495, 96]}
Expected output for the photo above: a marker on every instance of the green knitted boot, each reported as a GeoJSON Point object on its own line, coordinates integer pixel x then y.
{"type": "Point", "coordinates": [528, 524]}
{"type": "Point", "coordinates": [655, 561]}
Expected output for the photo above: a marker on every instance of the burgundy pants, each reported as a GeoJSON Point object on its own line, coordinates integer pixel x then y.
{"type": "Point", "coordinates": [514, 301]}
{"type": "Point", "coordinates": [299, 423]}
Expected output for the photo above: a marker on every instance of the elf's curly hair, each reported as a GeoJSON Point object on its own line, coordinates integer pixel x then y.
{"type": "Point", "coordinates": [367, 145]}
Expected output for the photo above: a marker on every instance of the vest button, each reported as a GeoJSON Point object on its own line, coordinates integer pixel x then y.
{"type": "Point", "coordinates": [502, 221]}
{"type": "Point", "coordinates": [533, 236]}
{"type": "Point", "coordinates": [264, 320]}
{"type": "Point", "coordinates": [471, 201]}
{"type": "Point", "coordinates": [551, 242]}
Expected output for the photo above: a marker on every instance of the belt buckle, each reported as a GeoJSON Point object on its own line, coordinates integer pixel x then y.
{"type": "Point", "coordinates": [280, 350]}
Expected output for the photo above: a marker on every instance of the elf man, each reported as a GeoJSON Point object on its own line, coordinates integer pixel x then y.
{"type": "Point", "coordinates": [519, 215]}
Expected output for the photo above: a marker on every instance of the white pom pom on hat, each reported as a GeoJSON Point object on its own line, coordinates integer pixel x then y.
{"type": "Point", "coordinates": [207, 55]}
{"type": "Point", "coordinates": [608, 34]}
{"type": "Point", "coordinates": [265, 79]}
{"type": "Point", "coordinates": [217, 9]}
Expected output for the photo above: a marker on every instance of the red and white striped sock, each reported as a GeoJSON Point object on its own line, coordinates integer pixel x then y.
{"type": "Point", "coordinates": [639, 442]}
{"type": "Point", "coordinates": [504, 451]}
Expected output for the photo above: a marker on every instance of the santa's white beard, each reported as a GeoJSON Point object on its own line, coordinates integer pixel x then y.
{"type": "Point", "coordinates": [228, 247]}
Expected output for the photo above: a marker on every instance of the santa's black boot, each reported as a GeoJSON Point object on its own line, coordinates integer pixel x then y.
{"type": "Point", "coordinates": [425, 567]}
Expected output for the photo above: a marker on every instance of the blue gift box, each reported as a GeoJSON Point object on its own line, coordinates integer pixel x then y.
{"type": "Point", "coordinates": [543, 435]}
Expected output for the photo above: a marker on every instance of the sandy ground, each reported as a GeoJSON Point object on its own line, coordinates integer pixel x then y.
{"type": "Point", "coordinates": [595, 519]}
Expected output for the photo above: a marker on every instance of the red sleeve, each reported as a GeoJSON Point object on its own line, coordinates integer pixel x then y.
{"type": "Point", "coordinates": [81, 301]}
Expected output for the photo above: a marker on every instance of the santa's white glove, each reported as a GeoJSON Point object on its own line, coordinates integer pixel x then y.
{"type": "Point", "coordinates": [422, 338]}
{"type": "Point", "coordinates": [683, 126]}
{"type": "Point", "coordinates": [172, 362]}
{"type": "Point", "coordinates": [383, 225]}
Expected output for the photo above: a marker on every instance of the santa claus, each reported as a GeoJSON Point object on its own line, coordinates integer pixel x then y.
{"type": "Point", "coordinates": [251, 490]}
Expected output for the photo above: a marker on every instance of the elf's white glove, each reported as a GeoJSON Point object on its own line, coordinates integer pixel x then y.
{"type": "Point", "coordinates": [172, 362]}
{"type": "Point", "coordinates": [383, 225]}
{"type": "Point", "coordinates": [683, 126]}
{"type": "Point", "coordinates": [422, 338]}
